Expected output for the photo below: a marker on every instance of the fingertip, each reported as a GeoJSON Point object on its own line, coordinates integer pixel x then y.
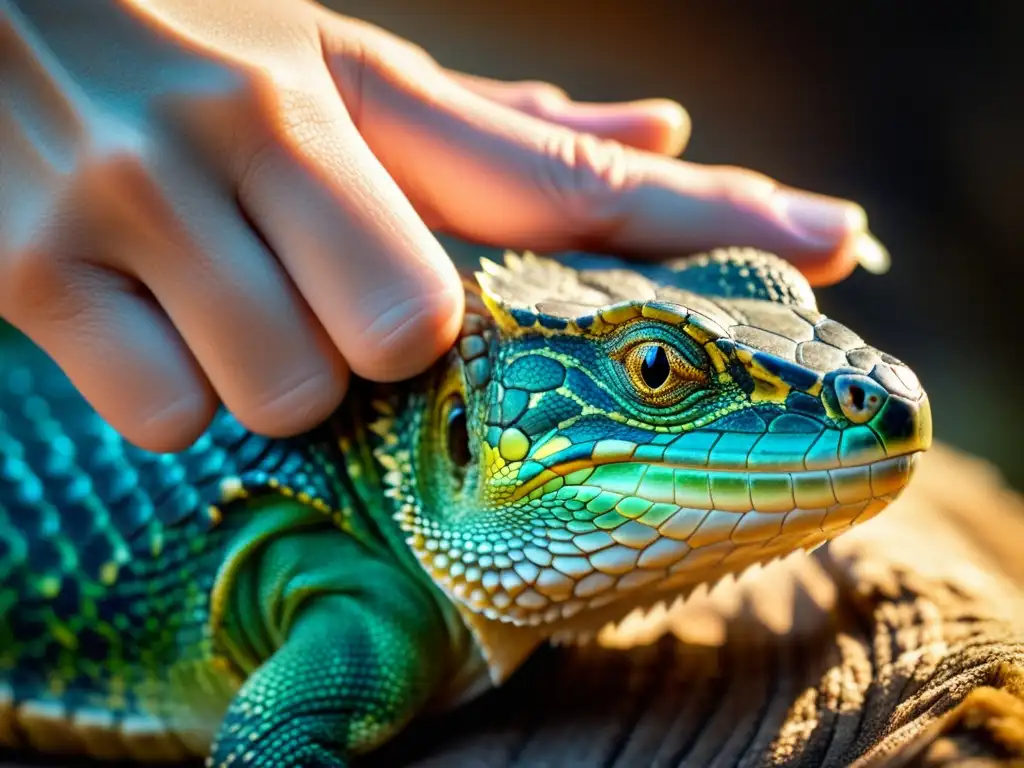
{"type": "Point", "coordinates": [302, 402]}
{"type": "Point", "coordinates": [660, 126]}
{"type": "Point", "coordinates": [406, 338]}
{"type": "Point", "coordinates": [859, 249]}
{"type": "Point", "coordinates": [834, 234]}
{"type": "Point", "coordinates": [168, 428]}
{"type": "Point", "coordinates": [822, 269]}
{"type": "Point", "coordinates": [671, 125]}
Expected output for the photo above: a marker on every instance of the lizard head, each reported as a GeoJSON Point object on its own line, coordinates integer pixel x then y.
{"type": "Point", "coordinates": [602, 439]}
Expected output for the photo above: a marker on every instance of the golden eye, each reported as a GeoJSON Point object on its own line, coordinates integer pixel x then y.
{"type": "Point", "coordinates": [658, 373]}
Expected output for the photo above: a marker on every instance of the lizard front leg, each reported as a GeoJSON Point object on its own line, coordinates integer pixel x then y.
{"type": "Point", "coordinates": [343, 682]}
{"type": "Point", "coordinates": [356, 662]}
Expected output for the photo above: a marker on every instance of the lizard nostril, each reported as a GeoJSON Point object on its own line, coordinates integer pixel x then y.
{"type": "Point", "coordinates": [860, 398]}
{"type": "Point", "coordinates": [857, 396]}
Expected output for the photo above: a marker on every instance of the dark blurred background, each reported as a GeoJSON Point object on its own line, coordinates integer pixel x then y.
{"type": "Point", "coordinates": [914, 111]}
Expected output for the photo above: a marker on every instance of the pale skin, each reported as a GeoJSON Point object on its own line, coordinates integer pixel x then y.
{"type": "Point", "coordinates": [232, 201]}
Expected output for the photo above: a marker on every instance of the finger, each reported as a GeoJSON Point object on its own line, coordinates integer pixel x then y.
{"type": "Point", "coordinates": [655, 125]}
{"type": "Point", "coordinates": [373, 273]}
{"type": "Point", "coordinates": [487, 172]}
{"type": "Point", "coordinates": [260, 346]}
{"type": "Point", "coordinates": [118, 349]}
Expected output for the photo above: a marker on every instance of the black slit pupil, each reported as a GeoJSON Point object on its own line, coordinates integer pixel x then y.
{"type": "Point", "coordinates": [458, 434]}
{"type": "Point", "coordinates": [655, 368]}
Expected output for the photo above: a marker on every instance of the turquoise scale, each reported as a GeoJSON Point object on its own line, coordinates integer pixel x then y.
{"type": "Point", "coordinates": [92, 526]}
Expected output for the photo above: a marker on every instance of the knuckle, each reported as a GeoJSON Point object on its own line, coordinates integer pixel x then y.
{"type": "Point", "coordinates": [35, 285]}
{"type": "Point", "coordinates": [108, 162]}
{"type": "Point", "coordinates": [49, 272]}
{"type": "Point", "coordinates": [288, 124]}
{"type": "Point", "coordinates": [374, 63]}
{"type": "Point", "coordinates": [120, 165]}
{"type": "Point", "coordinates": [741, 187]}
{"type": "Point", "coordinates": [377, 52]}
{"type": "Point", "coordinates": [264, 116]}
{"type": "Point", "coordinates": [254, 91]}
{"type": "Point", "coordinates": [384, 50]}
{"type": "Point", "coordinates": [538, 97]}
{"type": "Point", "coordinates": [589, 178]}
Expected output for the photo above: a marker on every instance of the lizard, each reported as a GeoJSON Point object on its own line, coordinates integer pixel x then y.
{"type": "Point", "coordinates": [603, 437]}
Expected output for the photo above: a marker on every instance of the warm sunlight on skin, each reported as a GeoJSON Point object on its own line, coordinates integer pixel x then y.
{"type": "Point", "coordinates": [232, 200]}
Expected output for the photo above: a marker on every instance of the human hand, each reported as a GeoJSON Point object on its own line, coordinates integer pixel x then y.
{"type": "Point", "coordinates": [231, 200]}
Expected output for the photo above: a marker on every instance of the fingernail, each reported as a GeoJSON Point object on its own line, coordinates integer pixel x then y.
{"type": "Point", "coordinates": [671, 115]}
{"type": "Point", "coordinates": [871, 254]}
{"type": "Point", "coordinates": [670, 112]}
{"type": "Point", "coordinates": [821, 218]}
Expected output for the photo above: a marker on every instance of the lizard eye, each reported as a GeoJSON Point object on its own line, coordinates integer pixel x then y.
{"type": "Point", "coordinates": [457, 431]}
{"type": "Point", "coordinates": [658, 373]}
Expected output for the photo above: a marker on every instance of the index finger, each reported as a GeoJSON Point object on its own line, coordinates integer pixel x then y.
{"type": "Point", "coordinates": [371, 270]}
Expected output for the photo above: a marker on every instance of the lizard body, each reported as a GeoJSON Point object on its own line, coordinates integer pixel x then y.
{"type": "Point", "coordinates": [600, 439]}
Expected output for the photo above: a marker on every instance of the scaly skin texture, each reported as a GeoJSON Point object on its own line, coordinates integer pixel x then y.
{"type": "Point", "coordinates": [600, 439]}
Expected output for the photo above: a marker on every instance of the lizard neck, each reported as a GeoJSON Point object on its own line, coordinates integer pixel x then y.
{"type": "Point", "coordinates": [361, 476]}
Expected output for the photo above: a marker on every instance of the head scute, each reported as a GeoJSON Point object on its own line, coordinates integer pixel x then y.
{"type": "Point", "coordinates": [514, 292]}
{"type": "Point", "coordinates": [526, 295]}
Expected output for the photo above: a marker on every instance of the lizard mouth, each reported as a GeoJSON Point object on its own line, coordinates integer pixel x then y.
{"type": "Point", "coordinates": [611, 537]}
{"type": "Point", "coordinates": [731, 489]}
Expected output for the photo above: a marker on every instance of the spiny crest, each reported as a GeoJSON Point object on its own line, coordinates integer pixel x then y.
{"type": "Point", "coordinates": [395, 458]}
{"type": "Point", "coordinates": [384, 424]}
{"type": "Point", "coordinates": [524, 296]}
{"type": "Point", "coordinates": [736, 273]}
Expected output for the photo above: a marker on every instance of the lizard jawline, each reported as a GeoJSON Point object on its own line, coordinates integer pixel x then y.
{"type": "Point", "coordinates": [553, 601]}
